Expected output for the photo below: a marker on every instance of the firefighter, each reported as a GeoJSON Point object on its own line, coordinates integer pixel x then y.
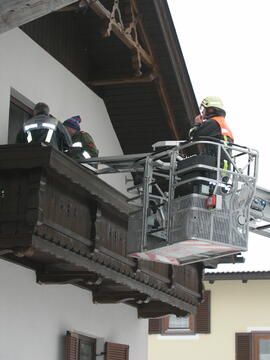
{"type": "Point", "coordinates": [210, 124]}
{"type": "Point", "coordinates": [44, 128]}
{"type": "Point", "coordinates": [211, 121]}
{"type": "Point", "coordinates": [83, 144]}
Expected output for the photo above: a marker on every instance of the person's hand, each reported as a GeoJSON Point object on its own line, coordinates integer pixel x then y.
{"type": "Point", "coordinates": [198, 119]}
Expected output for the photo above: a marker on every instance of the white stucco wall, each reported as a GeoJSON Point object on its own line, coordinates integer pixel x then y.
{"type": "Point", "coordinates": [34, 318]}
{"type": "Point", "coordinates": [31, 71]}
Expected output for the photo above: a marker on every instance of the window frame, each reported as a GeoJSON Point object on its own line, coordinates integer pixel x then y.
{"type": "Point", "coordinates": [13, 100]}
{"type": "Point", "coordinates": [79, 338]}
{"type": "Point", "coordinates": [200, 322]}
{"type": "Point", "coordinates": [190, 330]}
{"type": "Point", "coordinates": [256, 336]}
{"type": "Point", "coordinates": [247, 344]}
{"type": "Point", "coordinates": [21, 105]}
{"type": "Point", "coordinates": [87, 340]}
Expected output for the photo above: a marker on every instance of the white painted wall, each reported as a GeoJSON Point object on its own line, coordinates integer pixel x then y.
{"type": "Point", "coordinates": [30, 70]}
{"type": "Point", "coordinates": [34, 318]}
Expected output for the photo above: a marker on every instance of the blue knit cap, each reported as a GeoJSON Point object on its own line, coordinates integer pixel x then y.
{"type": "Point", "coordinates": [73, 122]}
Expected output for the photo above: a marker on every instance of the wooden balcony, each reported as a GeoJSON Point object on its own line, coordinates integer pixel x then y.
{"type": "Point", "coordinates": [71, 227]}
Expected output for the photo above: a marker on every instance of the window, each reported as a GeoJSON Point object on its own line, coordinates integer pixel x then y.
{"type": "Point", "coordinates": [253, 346]}
{"type": "Point", "coordinates": [18, 114]}
{"type": "Point", "coordinates": [80, 347]}
{"type": "Point", "coordinates": [172, 325]}
{"type": "Point", "coordinates": [198, 323]}
{"type": "Point", "coordinates": [180, 325]}
{"type": "Point", "coordinates": [262, 346]}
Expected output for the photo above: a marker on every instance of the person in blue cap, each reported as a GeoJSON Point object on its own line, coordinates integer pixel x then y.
{"type": "Point", "coordinates": [83, 144]}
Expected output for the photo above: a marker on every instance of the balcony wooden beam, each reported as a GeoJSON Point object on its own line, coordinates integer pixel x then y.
{"type": "Point", "coordinates": [110, 297]}
{"type": "Point", "coordinates": [154, 309]}
{"type": "Point", "coordinates": [68, 277]}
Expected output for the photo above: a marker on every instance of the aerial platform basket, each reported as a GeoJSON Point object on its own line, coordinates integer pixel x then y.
{"type": "Point", "coordinates": [199, 210]}
{"type": "Point", "coordinates": [194, 199]}
{"type": "Point", "coordinates": [196, 233]}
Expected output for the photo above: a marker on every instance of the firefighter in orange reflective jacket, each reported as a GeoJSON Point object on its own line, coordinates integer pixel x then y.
{"type": "Point", "coordinates": [211, 121]}
{"type": "Point", "coordinates": [211, 125]}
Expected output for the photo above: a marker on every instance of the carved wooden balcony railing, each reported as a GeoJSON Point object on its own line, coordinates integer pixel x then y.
{"type": "Point", "coordinates": [71, 227]}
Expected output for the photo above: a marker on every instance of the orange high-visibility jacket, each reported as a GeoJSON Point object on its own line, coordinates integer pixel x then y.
{"type": "Point", "coordinates": [224, 128]}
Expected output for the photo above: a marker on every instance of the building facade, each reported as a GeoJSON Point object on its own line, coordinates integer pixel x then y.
{"type": "Point", "coordinates": [38, 316]}
{"type": "Point", "coordinates": [40, 308]}
{"type": "Point", "coordinates": [239, 326]}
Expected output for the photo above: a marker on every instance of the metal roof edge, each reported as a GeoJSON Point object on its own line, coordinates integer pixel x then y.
{"type": "Point", "coordinates": [240, 275]}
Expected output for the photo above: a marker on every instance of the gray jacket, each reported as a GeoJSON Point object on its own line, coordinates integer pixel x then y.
{"type": "Point", "coordinates": [47, 130]}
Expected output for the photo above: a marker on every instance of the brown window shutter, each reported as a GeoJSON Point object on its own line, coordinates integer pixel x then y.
{"type": "Point", "coordinates": [115, 351]}
{"type": "Point", "coordinates": [202, 318]}
{"type": "Point", "coordinates": [243, 346]}
{"type": "Point", "coordinates": [158, 326]}
{"type": "Point", "coordinates": [72, 346]}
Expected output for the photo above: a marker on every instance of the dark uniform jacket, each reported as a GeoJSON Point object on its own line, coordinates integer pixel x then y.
{"type": "Point", "coordinates": [83, 146]}
{"type": "Point", "coordinates": [212, 128]}
{"type": "Point", "coordinates": [45, 129]}
{"type": "Point", "coordinates": [216, 128]}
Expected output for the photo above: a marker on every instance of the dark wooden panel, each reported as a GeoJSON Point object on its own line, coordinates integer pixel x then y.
{"type": "Point", "coordinates": [72, 347]}
{"type": "Point", "coordinates": [243, 343]}
{"type": "Point", "coordinates": [111, 232]}
{"type": "Point", "coordinates": [158, 326]}
{"type": "Point", "coordinates": [115, 351]}
{"type": "Point", "coordinates": [203, 318]}
{"type": "Point", "coordinates": [65, 210]}
{"type": "Point", "coordinates": [18, 206]}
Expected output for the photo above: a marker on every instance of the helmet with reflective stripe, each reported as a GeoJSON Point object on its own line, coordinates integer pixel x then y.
{"type": "Point", "coordinates": [212, 101]}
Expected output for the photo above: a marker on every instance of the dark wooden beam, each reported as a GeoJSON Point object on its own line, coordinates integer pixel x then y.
{"type": "Point", "coordinates": [118, 29]}
{"type": "Point", "coordinates": [155, 309]}
{"type": "Point", "coordinates": [109, 297]}
{"type": "Point", "coordinates": [132, 80]}
{"type": "Point", "coordinates": [68, 277]}
{"type": "Point", "coordinates": [167, 106]}
{"type": "Point", "coordinates": [14, 13]}
{"type": "Point", "coordinates": [145, 55]}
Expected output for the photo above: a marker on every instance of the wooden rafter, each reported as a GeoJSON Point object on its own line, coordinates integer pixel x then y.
{"type": "Point", "coordinates": [129, 36]}
{"type": "Point", "coordinates": [14, 13]}
{"type": "Point", "coordinates": [128, 80]}
{"type": "Point", "coordinates": [125, 34]}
